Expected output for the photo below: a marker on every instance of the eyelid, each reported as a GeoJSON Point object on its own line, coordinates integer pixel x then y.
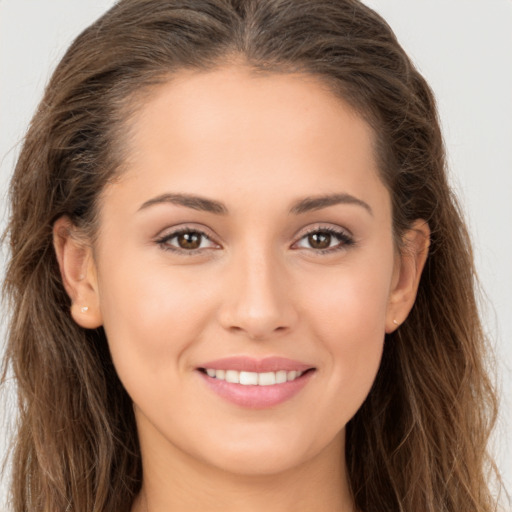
{"type": "Point", "coordinates": [346, 239]}
{"type": "Point", "coordinates": [169, 233]}
{"type": "Point", "coordinates": [344, 236]}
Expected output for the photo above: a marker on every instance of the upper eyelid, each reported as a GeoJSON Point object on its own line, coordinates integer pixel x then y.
{"type": "Point", "coordinates": [344, 236]}
{"type": "Point", "coordinates": [165, 236]}
{"type": "Point", "coordinates": [173, 231]}
{"type": "Point", "coordinates": [323, 227]}
{"type": "Point", "coordinates": [169, 233]}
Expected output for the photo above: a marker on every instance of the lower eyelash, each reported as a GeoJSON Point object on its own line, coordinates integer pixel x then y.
{"type": "Point", "coordinates": [344, 239]}
{"type": "Point", "coordinates": [162, 241]}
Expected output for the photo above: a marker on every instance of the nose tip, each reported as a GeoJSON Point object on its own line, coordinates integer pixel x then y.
{"type": "Point", "coordinates": [258, 303]}
{"type": "Point", "coordinates": [257, 328]}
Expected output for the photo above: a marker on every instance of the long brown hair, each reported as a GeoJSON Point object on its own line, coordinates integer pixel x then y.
{"type": "Point", "coordinates": [418, 443]}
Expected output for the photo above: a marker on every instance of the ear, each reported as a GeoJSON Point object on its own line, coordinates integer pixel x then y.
{"type": "Point", "coordinates": [407, 274]}
{"type": "Point", "coordinates": [78, 271]}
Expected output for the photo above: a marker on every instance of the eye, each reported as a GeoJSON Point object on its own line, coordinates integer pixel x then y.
{"type": "Point", "coordinates": [186, 240]}
{"type": "Point", "coordinates": [325, 240]}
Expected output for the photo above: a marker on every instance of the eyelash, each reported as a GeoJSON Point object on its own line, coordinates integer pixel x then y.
{"type": "Point", "coordinates": [345, 240]}
{"type": "Point", "coordinates": [163, 241]}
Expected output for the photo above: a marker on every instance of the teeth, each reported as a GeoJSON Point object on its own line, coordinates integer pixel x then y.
{"type": "Point", "coordinates": [281, 376]}
{"type": "Point", "coordinates": [233, 376]}
{"type": "Point", "coordinates": [267, 379]}
{"type": "Point", "coordinates": [253, 378]}
{"type": "Point", "coordinates": [248, 378]}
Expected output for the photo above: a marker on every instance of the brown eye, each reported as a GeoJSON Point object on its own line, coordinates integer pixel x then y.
{"type": "Point", "coordinates": [325, 240]}
{"type": "Point", "coordinates": [319, 240]}
{"type": "Point", "coordinates": [189, 240]}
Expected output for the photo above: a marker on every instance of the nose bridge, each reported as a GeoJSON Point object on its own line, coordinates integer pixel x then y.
{"type": "Point", "coordinates": [258, 301]}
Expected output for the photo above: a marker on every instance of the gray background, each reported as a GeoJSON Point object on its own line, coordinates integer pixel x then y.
{"type": "Point", "coordinates": [464, 49]}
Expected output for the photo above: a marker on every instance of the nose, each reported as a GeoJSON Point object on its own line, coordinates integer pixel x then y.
{"type": "Point", "coordinates": [257, 298]}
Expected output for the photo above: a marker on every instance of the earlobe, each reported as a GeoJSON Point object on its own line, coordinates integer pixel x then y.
{"type": "Point", "coordinates": [410, 264]}
{"type": "Point", "coordinates": [78, 273]}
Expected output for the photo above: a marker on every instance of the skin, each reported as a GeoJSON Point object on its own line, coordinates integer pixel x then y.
{"type": "Point", "coordinates": [257, 286]}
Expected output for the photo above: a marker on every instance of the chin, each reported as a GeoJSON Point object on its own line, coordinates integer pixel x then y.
{"type": "Point", "coordinates": [269, 454]}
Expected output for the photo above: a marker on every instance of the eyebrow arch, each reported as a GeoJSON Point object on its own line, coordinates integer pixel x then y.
{"type": "Point", "coordinates": [304, 205]}
{"type": "Point", "coordinates": [318, 202]}
{"type": "Point", "coordinates": [189, 201]}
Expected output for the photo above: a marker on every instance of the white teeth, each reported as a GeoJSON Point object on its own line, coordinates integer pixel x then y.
{"type": "Point", "coordinates": [281, 376]}
{"type": "Point", "coordinates": [253, 378]}
{"type": "Point", "coordinates": [267, 379]}
{"type": "Point", "coordinates": [249, 378]}
{"type": "Point", "coordinates": [233, 376]}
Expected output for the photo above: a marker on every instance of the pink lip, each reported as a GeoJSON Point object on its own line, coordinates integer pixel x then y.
{"type": "Point", "coordinates": [256, 397]}
{"type": "Point", "coordinates": [249, 364]}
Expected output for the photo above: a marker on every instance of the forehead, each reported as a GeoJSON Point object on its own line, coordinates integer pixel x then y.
{"type": "Point", "coordinates": [233, 129]}
{"type": "Point", "coordinates": [240, 100]}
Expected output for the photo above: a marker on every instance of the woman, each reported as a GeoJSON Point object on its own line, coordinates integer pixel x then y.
{"type": "Point", "coordinates": [238, 276]}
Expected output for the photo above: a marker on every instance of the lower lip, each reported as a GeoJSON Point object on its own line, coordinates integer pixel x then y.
{"type": "Point", "coordinates": [257, 397]}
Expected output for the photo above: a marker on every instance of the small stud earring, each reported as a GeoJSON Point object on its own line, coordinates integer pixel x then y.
{"type": "Point", "coordinates": [395, 322]}
{"type": "Point", "coordinates": [84, 309]}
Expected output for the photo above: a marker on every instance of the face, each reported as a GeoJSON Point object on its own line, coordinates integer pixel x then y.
{"type": "Point", "coordinates": [245, 271]}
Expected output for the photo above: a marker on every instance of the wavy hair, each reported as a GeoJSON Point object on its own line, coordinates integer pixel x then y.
{"type": "Point", "coordinates": [418, 443]}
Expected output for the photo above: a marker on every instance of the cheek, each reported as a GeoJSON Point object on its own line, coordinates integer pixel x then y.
{"type": "Point", "coordinates": [349, 321]}
{"type": "Point", "coordinates": [352, 297]}
{"type": "Point", "coordinates": [150, 317]}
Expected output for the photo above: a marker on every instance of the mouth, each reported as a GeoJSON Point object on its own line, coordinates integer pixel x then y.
{"type": "Point", "coordinates": [246, 378]}
{"type": "Point", "coordinates": [256, 383]}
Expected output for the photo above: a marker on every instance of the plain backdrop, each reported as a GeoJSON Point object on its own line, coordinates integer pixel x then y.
{"type": "Point", "coordinates": [463, 48]}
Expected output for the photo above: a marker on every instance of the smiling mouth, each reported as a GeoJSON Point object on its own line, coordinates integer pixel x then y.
{"type": "Point", "coordinates": [256, 383]}
{"type": "Point", "coordinates": [254, 378]}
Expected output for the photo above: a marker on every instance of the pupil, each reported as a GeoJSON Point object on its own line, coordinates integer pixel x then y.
{"type": "Point", "coordinates": [189, 240]}
{"type": "Point", "coordinates": [319, 240]}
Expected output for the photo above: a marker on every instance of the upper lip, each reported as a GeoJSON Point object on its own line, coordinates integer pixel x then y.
{"type": "Point", "coordinates": [250, 364]}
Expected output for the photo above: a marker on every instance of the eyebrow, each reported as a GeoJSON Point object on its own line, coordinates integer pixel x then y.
{"type": "Point", "coordinates": [309, 204]}
{"type": "Point", "coordinates": [189, 201]}
{"type": "Point", "coordinates": [304, 205]}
